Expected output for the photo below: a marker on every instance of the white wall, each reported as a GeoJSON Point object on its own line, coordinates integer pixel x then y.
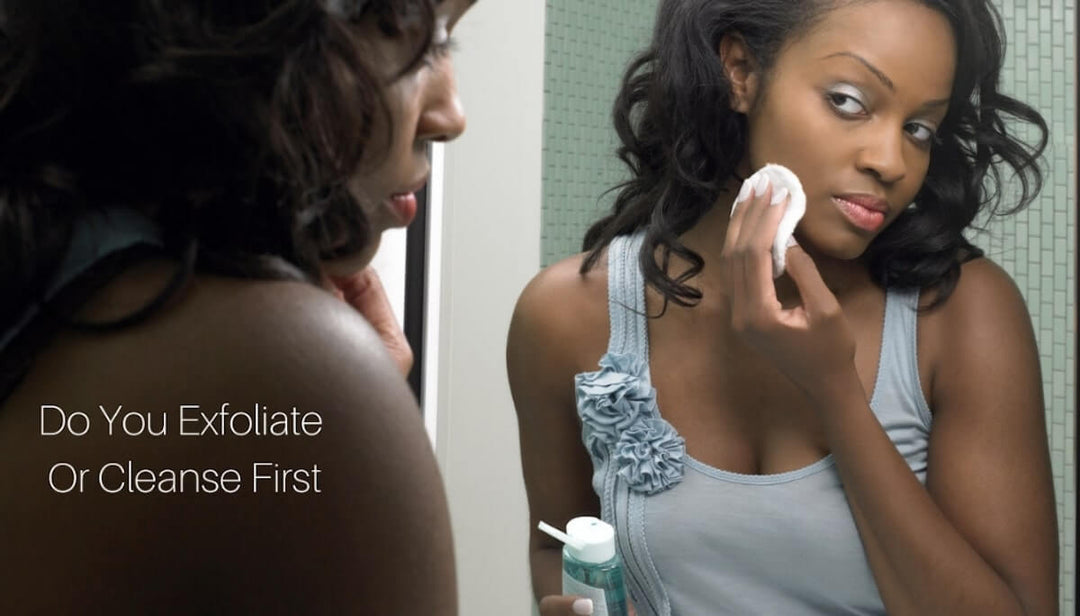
{"type": "Point", "coordinates": [490, 249]}
{"type": "Point", "coordinates": [389, 262]}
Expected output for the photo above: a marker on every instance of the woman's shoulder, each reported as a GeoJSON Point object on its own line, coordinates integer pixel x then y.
{"type": "Point", "coordinates": [563, 308]}
{"type": "Point", "coordinates": [229, 343]}
{"type": "Point", "coordinates": [985, 290]}
{"type": "Point", "coordinates": [280, 383]}
{"type": "Point", "coordinates": [292, 328]}
{"type": "Point", "coordinates": [565, 280]}
{"type": "Point", "coordinates": [984, 321]}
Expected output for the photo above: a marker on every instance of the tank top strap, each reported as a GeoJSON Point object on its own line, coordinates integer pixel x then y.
{"type": "Point", "coordinates": [94, 236]}
{"type": "Point", "coordinates": [898, 368]}
{"type": "Point", "coordinates": [626, 298]}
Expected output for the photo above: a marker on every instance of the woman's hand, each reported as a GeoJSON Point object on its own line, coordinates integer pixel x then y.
{"type": "Point", "coordinates": [570, 605]}
{"type": "Point", "coordinates": [810, 343]}
{"type": "Point", "coordinates": [364, 292]}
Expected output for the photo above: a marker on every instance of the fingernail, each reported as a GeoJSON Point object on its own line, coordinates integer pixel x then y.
{"type": "Point", "coordinates": [744, 192]}
{"type": "Point", "coordinates": [762, 184]}
{"type": "Point", "coordinates": [779, 196]}
{"type": "Point", "coordinates": [582, 606]}
{"type": "Point", "coordinates": [790, 242]}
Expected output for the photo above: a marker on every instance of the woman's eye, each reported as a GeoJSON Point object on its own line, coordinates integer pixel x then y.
{"type": "Point", "coordinates": [845, 103]}
{"type": "Point", "coordinates": [921, 133]}
{"type": "Point", "coordinates": [443, 48]}
{"type": "Point", "coordinates": [442, 44]}
{"type": "Point", "coordinates": [438, 51]}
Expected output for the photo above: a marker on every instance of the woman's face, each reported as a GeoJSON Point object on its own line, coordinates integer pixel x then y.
{"type": "Point", "coordinates": [852, 108]}
{"type": "Point", "coordinates": [423, 106]}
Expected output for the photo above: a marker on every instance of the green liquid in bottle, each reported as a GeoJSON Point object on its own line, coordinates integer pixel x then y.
{"type": "Point", "coordinates": [604, 582]}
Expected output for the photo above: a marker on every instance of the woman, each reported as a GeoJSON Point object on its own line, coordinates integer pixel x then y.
{"type": "Point", "coordinates": [866, 435]}
{"type": "Point", "coordinates": [192, 419]}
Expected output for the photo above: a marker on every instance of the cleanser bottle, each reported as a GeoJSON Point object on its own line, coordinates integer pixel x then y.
{"type": "Point", "coordinates": [591, 568]}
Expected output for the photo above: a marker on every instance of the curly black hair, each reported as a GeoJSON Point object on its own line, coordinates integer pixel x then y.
{"type": "Point", "coordinates": [681, 147]}
{"type": "Point", "coordinates": [235, 126]}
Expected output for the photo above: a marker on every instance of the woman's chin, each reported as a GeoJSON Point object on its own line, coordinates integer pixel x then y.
{"type": "Point", "coordinates": [838, 249]}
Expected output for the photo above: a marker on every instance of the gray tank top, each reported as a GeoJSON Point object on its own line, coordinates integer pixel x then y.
{"type": "Point", "coordinates": [94, 235]}
{"type": "Point", "coordinates": [700, 540]}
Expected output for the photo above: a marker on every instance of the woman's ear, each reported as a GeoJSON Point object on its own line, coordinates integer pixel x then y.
{"type": "Point", "coordinates": [741, 70]}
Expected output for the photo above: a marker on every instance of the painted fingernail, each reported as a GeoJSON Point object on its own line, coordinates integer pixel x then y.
{"type": "Point", "coordinates": [582, 606]}
{"type": "Point", "coordinates": [744, 192]}
{"type": "Point", "coordinates": [790, 242]}
{"type": "Point", "coordinates": [779, 196]}
{"type": "Point", "coordinates": [762, 184]}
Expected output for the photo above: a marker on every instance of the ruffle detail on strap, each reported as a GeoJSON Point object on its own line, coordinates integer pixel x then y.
{"type": "Point", "coordinates": [621, 422]}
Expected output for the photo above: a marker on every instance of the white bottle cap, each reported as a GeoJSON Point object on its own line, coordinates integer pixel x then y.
{"type": "Point", "coordinates": [587, 539]}
{"type": "Point", "coordinates": [595, 539]}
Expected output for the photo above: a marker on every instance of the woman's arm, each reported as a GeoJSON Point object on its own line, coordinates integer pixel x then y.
{"type": "Point", "coordinates": [980, 538]}
{"type": "Point", "coordinates": [560, 318]}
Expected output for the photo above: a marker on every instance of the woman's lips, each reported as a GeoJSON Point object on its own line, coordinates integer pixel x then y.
{"type": "Point", "coordinates": [403, 205]}
{"type": "Point", "coordinates": [863, 217]}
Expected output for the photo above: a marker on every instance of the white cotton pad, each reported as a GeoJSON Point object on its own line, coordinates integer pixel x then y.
{"type": "Point", "coordinates": [779, 177]}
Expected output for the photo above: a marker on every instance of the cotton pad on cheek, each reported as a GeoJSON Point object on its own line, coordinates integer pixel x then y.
{"type": "Point", "coordinates": [779, 177]}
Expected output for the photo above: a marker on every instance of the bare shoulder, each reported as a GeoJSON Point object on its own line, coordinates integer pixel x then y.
{"type": "Point", "coordinates": [295, 327]}
{"type": "Point", "coordinates": [236, 337]}
{"type": "Point", "coordinates": [984, 286]}
{"type": "Point", "coordinates": [985, 306]}
{"type": "Point", "coordinates": [271, 324]}
{"type": "Point", "coordinates": [564, 313]}
{"type": "Point", "coordinates": [333, 501]}
{"type": "Point", "coordinates": [983, 327]}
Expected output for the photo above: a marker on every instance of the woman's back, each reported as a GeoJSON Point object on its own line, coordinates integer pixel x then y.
{"type": "Point", "coordinates": [213, 417]}
{"type": "Point", "coordinates": [329, 540]}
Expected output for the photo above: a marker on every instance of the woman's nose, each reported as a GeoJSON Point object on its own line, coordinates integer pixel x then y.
{"type": "Point", "coordinates": [883, 154]}
{"type": "Point", "coordinates": [443, 116]}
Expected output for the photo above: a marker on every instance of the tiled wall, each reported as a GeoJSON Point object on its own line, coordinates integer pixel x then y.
{"type": "Point", "coordinates": [1038, 247]}
{"type": "Point", "coordinates": [589, 43]}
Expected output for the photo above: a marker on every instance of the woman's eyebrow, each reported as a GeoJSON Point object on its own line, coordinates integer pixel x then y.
{"type": "Point", "coordinates": [883, 77]}
{"type": "Point", "coordinates": [870, 67]}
